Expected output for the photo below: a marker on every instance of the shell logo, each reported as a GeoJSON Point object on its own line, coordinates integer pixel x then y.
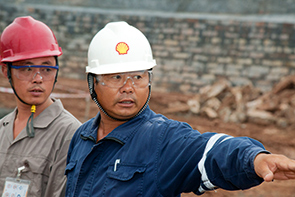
{"type": "Point", "coordinates": [122, 48]}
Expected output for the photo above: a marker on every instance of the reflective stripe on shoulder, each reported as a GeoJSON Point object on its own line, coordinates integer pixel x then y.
{"type": "Point", "coordinates": [205, 180]}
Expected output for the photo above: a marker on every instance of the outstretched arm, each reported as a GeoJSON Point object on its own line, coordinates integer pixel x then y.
{"type": "Point", "coordinates": [273, 166]}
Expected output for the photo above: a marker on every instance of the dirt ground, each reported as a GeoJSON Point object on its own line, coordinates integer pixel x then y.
{"type": "Point", "coordinates": [275, 139]}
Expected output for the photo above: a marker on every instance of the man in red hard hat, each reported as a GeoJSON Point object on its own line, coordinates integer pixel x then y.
{"type": "Point", "coordinates": [34, 138]}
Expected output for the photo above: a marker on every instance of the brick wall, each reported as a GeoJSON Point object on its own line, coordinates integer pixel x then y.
{"type": "Point", "coordinates": [191, 50]}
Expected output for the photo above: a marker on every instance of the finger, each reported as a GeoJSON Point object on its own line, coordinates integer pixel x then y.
{"type": "Point", "coordinates": [262, 167]}
{"type": "Point", "coordinates": [274, 166]}
{"type": "Point", "coordinates": [268, 177]}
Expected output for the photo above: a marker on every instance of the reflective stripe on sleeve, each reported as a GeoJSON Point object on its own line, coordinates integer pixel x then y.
{"type": "Point", "coordinates": [207, 185]}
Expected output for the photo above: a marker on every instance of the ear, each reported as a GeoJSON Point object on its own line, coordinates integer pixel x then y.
{"type": "Point", "coordinates": [4, 69]}
{"type": "Point", "coordinates": [95, 81]}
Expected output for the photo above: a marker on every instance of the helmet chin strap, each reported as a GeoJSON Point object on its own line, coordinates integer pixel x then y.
{"type": "Point", "coordinates": [30, 123]}
{"type": "Point", "coordinates": [93, 94]}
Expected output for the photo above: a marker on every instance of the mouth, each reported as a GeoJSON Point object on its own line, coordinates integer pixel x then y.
{"type": "Point", "coordinates": [36, 88]}
{"type": "Point", "coordinates": [126, 102]}
{"type": "Point", "coordinates": [36, 91]}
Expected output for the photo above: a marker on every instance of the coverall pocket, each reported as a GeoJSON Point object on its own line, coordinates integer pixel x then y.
{"type": "Point", "coordinates": [125, 179]}
{"type": "Point", "coordinates": [36, 170]}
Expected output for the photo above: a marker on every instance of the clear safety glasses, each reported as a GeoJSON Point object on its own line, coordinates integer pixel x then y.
{"type": "Point", "coordinates": [29, 72]}
{"type": "Point", "coordinates": [139, 79]}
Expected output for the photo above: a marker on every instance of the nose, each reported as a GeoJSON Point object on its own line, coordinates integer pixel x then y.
{"type": "Point", "coordinates": [37, 78]}
{"type": "Point", "coordinates": [126, 80]}
{"type": "Point", "coordinates": [128, 86]}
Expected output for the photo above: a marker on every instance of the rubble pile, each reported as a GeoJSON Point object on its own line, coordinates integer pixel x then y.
{"type": "Point", "coordinates": [240, 104]}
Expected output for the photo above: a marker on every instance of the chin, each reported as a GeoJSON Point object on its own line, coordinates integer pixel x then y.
{"type": "Point", "coordinates": [123, 116]}
{"type": "Point", "coordinates": [38, 101]}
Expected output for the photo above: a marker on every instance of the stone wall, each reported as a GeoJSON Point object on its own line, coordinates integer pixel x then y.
{"type": "Point", "coordinates": [191, 50]}
{"type": "Point", "coordinates": [186, 6]}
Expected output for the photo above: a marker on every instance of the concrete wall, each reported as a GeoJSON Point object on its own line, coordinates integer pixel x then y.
{"type": "Point", "coordinates": [191, 49]}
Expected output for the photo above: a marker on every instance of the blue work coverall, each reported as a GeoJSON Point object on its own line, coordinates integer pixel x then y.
{"type": "Point", "coordinates": [151, 155]}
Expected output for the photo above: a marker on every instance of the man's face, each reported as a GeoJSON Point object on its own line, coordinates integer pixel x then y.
{"type": "Point", "coordinates": [124, 101]}
{"type": "Point", "coordinates": [34, 84]}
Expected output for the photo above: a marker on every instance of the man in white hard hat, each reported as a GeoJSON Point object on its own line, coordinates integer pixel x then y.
{"type": "Point", "coordinates": [34, 138]}
{"type": "Point", "coordinates": [128, 150]}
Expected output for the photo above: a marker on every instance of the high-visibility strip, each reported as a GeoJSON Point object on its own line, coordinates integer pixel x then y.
{"type": "Point", "coordinates": [205, 180]}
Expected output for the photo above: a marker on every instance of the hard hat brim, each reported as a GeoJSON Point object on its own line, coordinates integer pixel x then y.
{"type": "Point", "coordinates": [29, 55]}
{"type": "Point", "coordinates": [120, 67]}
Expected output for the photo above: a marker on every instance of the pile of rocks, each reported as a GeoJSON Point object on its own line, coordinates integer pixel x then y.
{"type": "Point", "coordinates": [247, 103]}
{"type": "Point", "coordinates": [238, 104]}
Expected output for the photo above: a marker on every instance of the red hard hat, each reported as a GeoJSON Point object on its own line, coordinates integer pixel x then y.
{"type": "Point", "coordinates": [27, 38]}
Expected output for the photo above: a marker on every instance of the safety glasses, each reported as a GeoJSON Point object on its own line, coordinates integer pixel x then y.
{"type": "Point", "coordinates": [29, 72]}
{"type": "Point", "coordinates": [139, 79]}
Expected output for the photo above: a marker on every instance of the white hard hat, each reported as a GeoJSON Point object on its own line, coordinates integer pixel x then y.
{"type": "Point", "coordinates": [119, 47]}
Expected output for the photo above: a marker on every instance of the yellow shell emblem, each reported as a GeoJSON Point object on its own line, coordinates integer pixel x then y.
{"type": "Point", "coordinates": [122, 48]}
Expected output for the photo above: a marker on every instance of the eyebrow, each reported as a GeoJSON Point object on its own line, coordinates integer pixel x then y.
{"type": "Point", "coordinates": [31, 63]}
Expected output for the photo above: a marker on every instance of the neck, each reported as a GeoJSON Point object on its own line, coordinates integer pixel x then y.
{"type": "Point", "coordinates": [24, 110]}
{"type": "Point", "coordinates": [23, 114]}
{"type": "Point", "coordinates": [107, 125]}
